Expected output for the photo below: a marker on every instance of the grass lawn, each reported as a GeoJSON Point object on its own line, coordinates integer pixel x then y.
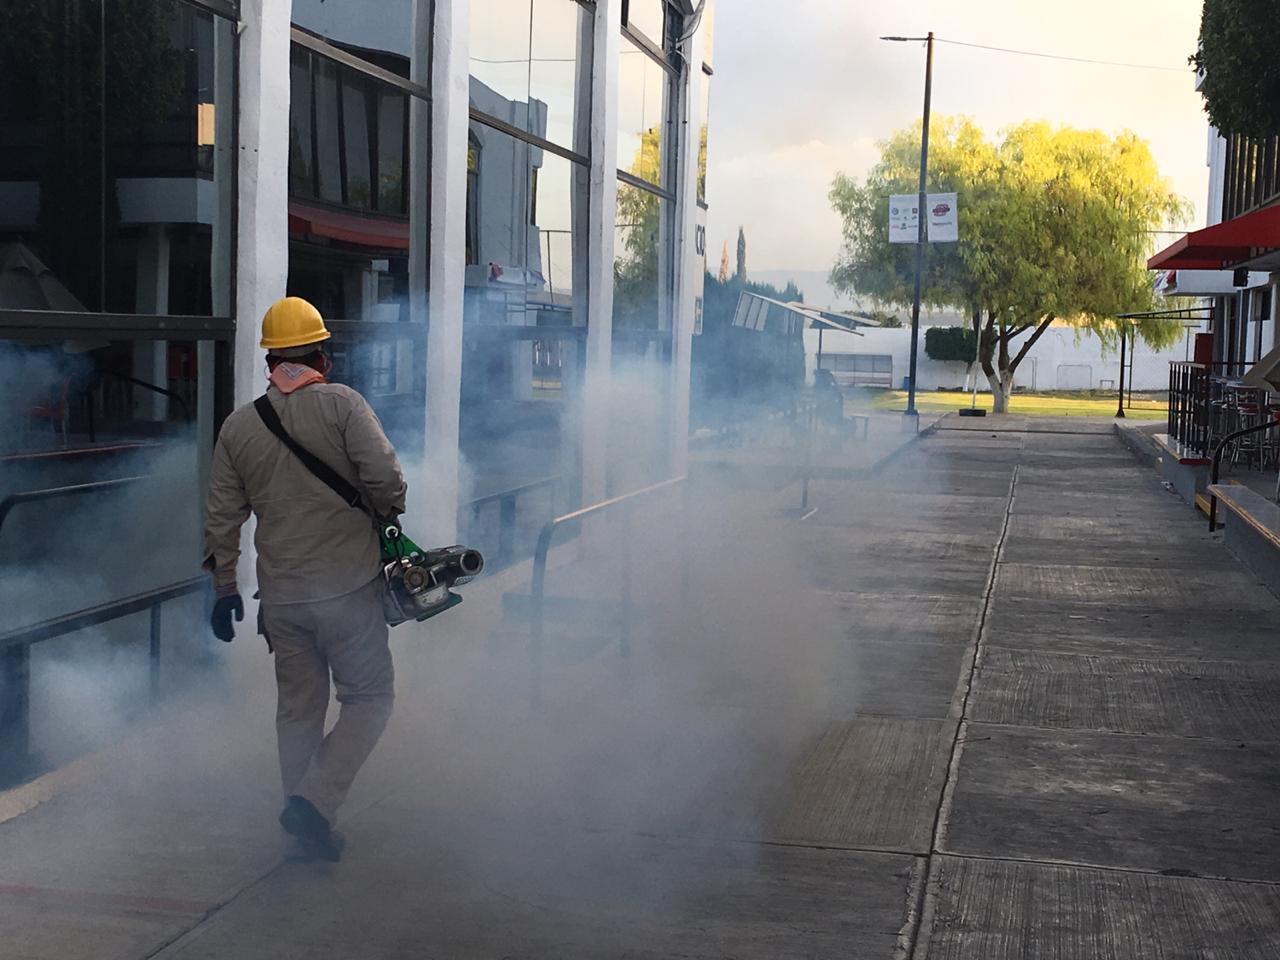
{"type": "Point", "coordinates": [1062, 404]}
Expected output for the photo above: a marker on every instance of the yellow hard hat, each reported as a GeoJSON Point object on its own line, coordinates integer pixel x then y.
{"type": "Point", "coordinates": [292, 322]}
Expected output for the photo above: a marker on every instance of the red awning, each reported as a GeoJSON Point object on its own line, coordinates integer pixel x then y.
{"type": "Point", "coordinates": [372, 232]}
{"type": "Point", "coordinates": [1224, 245]}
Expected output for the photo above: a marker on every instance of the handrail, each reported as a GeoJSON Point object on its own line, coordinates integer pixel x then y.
{"type": "Point", "coordinates": [173, 395]}
{"type": "Point", "coordinates": [53, 493]}
{"type": "Point", "coordinates": [100, 614]}
{"type": "Point", "coordinates": [1217, 462]}
{"type": "Point", "coordinates": [15, 663]}
{"type": "Point", "coordinates": [538, 589]}
{"type": "Point", "coordinates": [513, 492]}
{"type": "Point", "coordinates": [506, 500]}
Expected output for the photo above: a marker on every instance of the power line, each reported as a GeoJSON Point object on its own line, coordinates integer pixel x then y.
{"type": "Point", "coordinates": [1054, 56]}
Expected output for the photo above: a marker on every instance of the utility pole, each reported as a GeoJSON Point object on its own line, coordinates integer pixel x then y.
{"type": "Point", "coordinates": [922, 236]}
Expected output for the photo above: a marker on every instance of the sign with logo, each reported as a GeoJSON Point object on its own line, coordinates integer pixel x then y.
{"type": "Point", "coordinates": [943, 226]}
{"type": "Point", "coordinates": [904, 218]}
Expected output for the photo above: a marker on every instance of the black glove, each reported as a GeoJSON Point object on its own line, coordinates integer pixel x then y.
{"type": "Point", "coordinates": [220, 619]}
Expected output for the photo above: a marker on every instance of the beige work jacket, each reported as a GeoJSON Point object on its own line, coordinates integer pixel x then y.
{"type": "Point", "coordinates": [311, 545]}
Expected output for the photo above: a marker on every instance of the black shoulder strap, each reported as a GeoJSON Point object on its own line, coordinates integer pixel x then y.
{"type": "Point", "coordinates": [322, 471]}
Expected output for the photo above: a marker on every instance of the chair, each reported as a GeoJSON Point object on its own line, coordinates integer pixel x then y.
{"type": "Point", "coordinates": [57, 411]}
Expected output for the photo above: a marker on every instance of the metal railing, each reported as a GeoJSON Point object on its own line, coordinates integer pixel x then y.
{"type": "Point", "coordinates": [539, 581]}
{"type": "Point", "coordinates": [507, 502]}
{"type": "Point", "coordinates": [1195, 398]}
{"type": "Point", "coordinates": [15, 663]}
{"type": "Point", "coordinates": [16, 643]}
{"type": "Point", "coordinates": [56, 493]}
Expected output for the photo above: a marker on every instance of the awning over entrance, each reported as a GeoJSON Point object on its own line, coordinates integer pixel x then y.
{"type": "Point", "coordinates": [372, 232]}
{"type": "Point", "coordinates": [1223, 245]}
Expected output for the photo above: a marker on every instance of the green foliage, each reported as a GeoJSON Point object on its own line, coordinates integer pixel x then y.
{"type": "Point", "coordinates": [737, 371]}
{"type": "Point", "coordinates": [950, 344]}
{"type": "Point", "coordinates": [636, 273]}
{"type": "Point", "coordinates": [1238, 44]}
{"type": "Point", "coordinates": [742, 254]}
{"type": "Point", "coordinates": [1055, 224]}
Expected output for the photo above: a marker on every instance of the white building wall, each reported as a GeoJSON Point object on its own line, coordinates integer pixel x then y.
{"type": "Point", "coordinates": [1057, 361]}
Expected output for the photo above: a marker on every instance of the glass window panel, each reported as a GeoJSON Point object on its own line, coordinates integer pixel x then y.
{"type": "Point", "coordinates": [380, 31]}
{"type": "Point", "coordinates": [531, 66]}
{"type": "Point", "coordinates": [301, 167]}
{"type": "Point", "coordinates": [327, 127]}
{"type": "Point", "coordinates": [524, 319]}
{"type": "Point", "coordinates": [648, 17]}
{"type": "Point", "coordinates": [355, 120]}
{"type": "Point", "coordinates": [708, 31]}
{"type": "Point", "coordinates": [643, 90]}
{"type": "Point", "coordinates": [639, 265]}
{"type": "Point", "coordinates": [560, 72]}
{"type": "Point", "coordinates": [392, 106]}
{"type": "Point", "coordinates": [355, 256]}
{"type": "Point", "coordinates": [70, 398]}
{"type": "Point", "coordinates": [702, 137]}
{"type": "Point", "coordinates": [162, 214]}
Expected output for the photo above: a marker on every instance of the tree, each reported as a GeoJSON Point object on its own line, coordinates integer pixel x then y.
{"type": "Point", "coordinates": [1241, 86]}
{"type": "Point", "coordinates": [636, 265]}
{"type": "Point", "coordinates": [723, 276]}
{"type": "Point", "coordinates": [1055, 226]}
{"type": "Point", "coordinates": [742, 256]}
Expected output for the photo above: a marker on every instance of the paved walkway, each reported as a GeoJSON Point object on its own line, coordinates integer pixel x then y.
{"type": "Point", "coordinates": [1006, 699]}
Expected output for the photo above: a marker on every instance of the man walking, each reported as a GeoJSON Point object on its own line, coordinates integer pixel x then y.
{"type": "Point", "coordinates": [319, 563]}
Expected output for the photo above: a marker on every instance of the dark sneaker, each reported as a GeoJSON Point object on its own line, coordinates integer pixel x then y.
{"type": "Point", "coordinates": [308, 851]}
{"type": "Point", "coordinates": [302, 819]}
{"type": "Point", "coordinates": [316, 841]}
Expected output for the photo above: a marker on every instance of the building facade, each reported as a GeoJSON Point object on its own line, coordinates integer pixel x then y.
{"type": "Point", "coordinates": [1233, 261]}
{"type": "Point", "coordinates": [498, 206]}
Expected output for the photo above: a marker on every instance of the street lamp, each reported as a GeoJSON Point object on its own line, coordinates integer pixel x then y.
{"type": "Point", "coordinates": [921, 235]}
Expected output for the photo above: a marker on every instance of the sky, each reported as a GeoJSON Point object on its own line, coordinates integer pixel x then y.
{"type": "Point", "coordinates": [803, 90]}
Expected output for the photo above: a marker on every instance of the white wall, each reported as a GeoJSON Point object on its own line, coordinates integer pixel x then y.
{"type": "Point", "coordinates": [1057, 361]}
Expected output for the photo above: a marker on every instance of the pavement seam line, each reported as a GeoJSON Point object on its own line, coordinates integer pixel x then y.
{"type": "Point", "coordinates": [918, 945]}
{"type": "Point", "coordinates": [1111, 868]}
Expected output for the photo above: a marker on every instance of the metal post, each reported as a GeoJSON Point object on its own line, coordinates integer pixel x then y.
{"type": "Point", "coordinates": [1133, 352]}
{"type": "Point", "coordinates": [15, 712]}
{"type": "Point", "coordinates": [1120, 400]}
{"type": "Point", "coordinates": [624, 637]}
{"type": "Point", "coordinates": [155, 653]}
{"type": "Point", "coordinates": [506, 526]}
{"type": "Point", "coordinates": [922, 229]}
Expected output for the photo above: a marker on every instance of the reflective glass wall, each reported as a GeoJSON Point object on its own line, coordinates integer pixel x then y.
{"type": "Point", "coordinates": [359, 127]}
{"type": "Point", "coordinates": [644, 246]}
{"type": "Point", "coordinates": [117, 193]}
{"type": "Point", "coordinates": [525, 311]}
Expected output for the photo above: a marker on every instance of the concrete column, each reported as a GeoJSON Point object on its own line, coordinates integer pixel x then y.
{"type": "Point", "coordinates": [262, 229]}
{"type": "Point", "coordinates": [262, 262]}
{"type": "Point", "coordinates": [603, 192]}
{"type": "Point", "coordinates": [436, 499]}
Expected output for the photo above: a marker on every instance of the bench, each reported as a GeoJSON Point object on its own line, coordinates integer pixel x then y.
{"type": "Point", "coordinates": [1252, 530]}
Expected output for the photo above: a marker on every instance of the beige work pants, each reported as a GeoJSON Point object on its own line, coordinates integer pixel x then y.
{"type": "Point", "coordinates": [345, 636]}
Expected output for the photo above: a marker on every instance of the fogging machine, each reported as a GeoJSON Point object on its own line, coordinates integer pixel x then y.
{"type": "Point", "coordinates": [419, 582]}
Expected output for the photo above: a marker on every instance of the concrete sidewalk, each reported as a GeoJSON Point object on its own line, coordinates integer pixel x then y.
{"type": "Point", "coordinates": [1007, 699]}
